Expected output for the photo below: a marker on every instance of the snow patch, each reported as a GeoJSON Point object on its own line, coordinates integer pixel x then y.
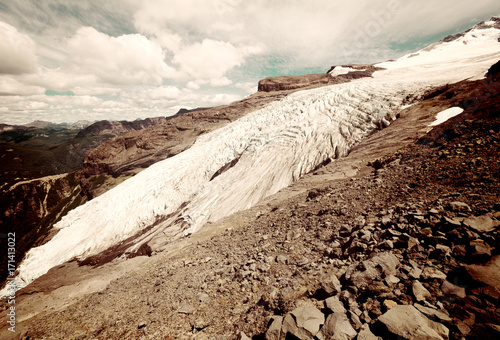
{"type": "Point", "coordinates": [443, 116]}
{"type": "Point", "coordinates": [340, 70]}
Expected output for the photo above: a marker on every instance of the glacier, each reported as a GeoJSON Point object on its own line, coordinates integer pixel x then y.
{"type": "Point", "coordinates": [261, 153]}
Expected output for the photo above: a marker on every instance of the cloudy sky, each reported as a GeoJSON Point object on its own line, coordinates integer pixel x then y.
{"type": "Point", "coordinates": [64, 61]}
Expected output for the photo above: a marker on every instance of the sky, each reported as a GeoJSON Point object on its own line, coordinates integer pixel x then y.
{"type": "Point", "coordinates": [65, 61]}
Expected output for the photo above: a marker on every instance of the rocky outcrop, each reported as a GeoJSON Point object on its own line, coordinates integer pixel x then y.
{"type": "Point", "coordinates": [285, 83]}
{"type": "Point", "coordinates": [117, 128]}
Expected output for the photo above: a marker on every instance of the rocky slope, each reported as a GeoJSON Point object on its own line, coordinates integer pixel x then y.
{"type": "Point", "coordinates": [283, 83]}
{"type": "Point", "coordinates": [406, 246]}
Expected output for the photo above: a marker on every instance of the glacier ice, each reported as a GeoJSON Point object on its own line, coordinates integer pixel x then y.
{"type": "Point", "coordinates": [273, 146]}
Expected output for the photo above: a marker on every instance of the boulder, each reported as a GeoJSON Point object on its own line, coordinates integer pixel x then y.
{"type": "Point", "coordinates": [488, 273]}
{"type": "Point", "coordinates": [407, 322]}
{"type": "Point", "coordinates": [433, 273]}
{"type": "Point", "coordinates": [366, 334]}
{"type": "Point", "coordinates": [450, 289]}
{"type": "Point", "coordinates": [274, 329]}
{"type": "Point", "coordinates": [479, 249]}
{"type": "Point", "coordinates": [459, 207]}
{"type": "Point", "coordinates": [303, 322]}
{"type": "Point", "coordinates": [337, 325]}
{"type": "Point", "coordinates": [378, 267]}
{"type": "Point", "coordinates": [420, 292]}
{"type": "Point", "coordinates": [483, 224]}
{"type": "Point", "coordinates": [332, 285]}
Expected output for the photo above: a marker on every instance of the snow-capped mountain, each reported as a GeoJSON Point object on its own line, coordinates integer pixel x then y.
{"type": "Point", "coordinates": [233, 168]}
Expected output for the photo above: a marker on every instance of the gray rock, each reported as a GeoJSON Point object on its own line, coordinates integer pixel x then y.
{"type": "Point", "coordinates": [414, 272]}
{"type": "Point", "coordinates": [459, 207]}
{"type": "Point", "coordinates": [420, 292]}
{"type": "Point", "coordinates": [433, 273]}
{"type": "Point", "coordinates": [479, 248]}
{"type": "Point", "coordinates": [274, 330]}
{"type": "Point", "coordinates": [450, 289]}
{"type": "Point", "coordinates": [382, 265]}
{"type": "Point", "coordinates": [407, 322]}
{"type": "Point", "coordinates": [366, 334]}
{"type": "Point", "coordinates": [391, 280]}
{"type": "Point", "coordinates": [482, 224]}
{"type": "Point", "coordinates": [331, 285]}
{"type": "Point", "coordinates": [303, 322]}
{"type": "Point", "coordinates": [337, 325]}
{"type": "Point", "coordinates": [186, 308]}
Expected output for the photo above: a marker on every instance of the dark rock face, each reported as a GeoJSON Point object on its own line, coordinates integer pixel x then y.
{"type": "Point", "coordinates": [495, 69]}
{"type": "Point", "coordinates": [119, 127]}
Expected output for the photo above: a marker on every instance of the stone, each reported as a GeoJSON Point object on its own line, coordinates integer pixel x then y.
{"type": "Point", "coordinates": [488, 273]}
{"type": "Point", "coordinates": [354, 318]}
{"type": "Point", "coordinates": [303, 322]}
{"type": "Point", "coordinates": [332, 285]}
{"type": "Point", "coordinates": [387, 245]}
{"type": "Point", "coordinates": [433, 314]}
{"type": "Point", "coordinates": [407, 322]}
{"type": "Point", "coordinates": [366, 334]}
{"type": "Point", "coordinates": [459, 207]}
{"type": "Point", "coordinates": [478, 248]}
{"type": "Point", "coordinates": [186, 308]}
{"type": "Point", "coordinates": [483, 224]}
{"type": "Point", "coordinates": [274, 329]}
{"type": "Point", "coordinates": [459, 251]}
{"type": "Point", "coordinates": [141, 325]}
{"type": "Point", "coordinates": [414, 271]}
{"type": "Point", "coordinates": [203, 298]}
{"type": "Point", "coordinates": [433, 273]}
{"type": "Point", "coordinates": [337, 325]}
{"type": "Point", "coordinates": [450, 289]}
{"type": "Point", "coordinates": [420, 292]}
{"type": "Point", "coordinates": [388, 304]}
{"type": "Point", "coordinates": [391, 280]}
{"type": "Point", "coordinates": [363, 274]}
{"type": "Point", "coordinates": [451, 223]}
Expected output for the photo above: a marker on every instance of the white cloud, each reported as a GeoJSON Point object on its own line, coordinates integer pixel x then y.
{"type": "Point", "coordinates": [127, 59]}
{"type": "Point", "coordinates": [211, 59]}
{"type": "Point", "coordinates": [164, 92]}
{"type": "Point", "coordinates": [17, 51]}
